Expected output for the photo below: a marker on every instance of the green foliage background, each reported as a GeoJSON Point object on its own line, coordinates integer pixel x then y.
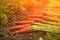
{"type": "Point", "coordinates": [6, 13]}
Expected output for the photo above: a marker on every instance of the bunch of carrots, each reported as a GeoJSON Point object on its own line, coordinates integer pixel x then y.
{"type": "Point", "coordinates": [35, 13]}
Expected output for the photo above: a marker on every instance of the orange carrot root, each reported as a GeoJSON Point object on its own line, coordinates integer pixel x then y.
{"type": "Point", "coordinates": [35, 16]}
{"type": "Point", "coordinates": [37, 20]}
{"type": "Point", "coordinates": [24, 22]}
{"type": "Point", "coordinates": [19, 27]}
{"type": "Point", "coordinates": [24, 30]}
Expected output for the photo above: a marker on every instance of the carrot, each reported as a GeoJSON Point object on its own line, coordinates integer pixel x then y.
{"type": "Point", "coordinates": [35, 19]}
{"type": "Point", "coordinates": [43, 21]}
{"type": "Point", "coordinates": [24, 22]}
{"type": "Point", "coordinates": [24, 30]}
{"type": "Point", "coordinates": [35, 16]}
{"type": "Point", "coordinates": [41, 14]}
{"type": "Point", "coordinates": [31, 13]}
{"type": "Point", "coordinates": [19, 27]}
